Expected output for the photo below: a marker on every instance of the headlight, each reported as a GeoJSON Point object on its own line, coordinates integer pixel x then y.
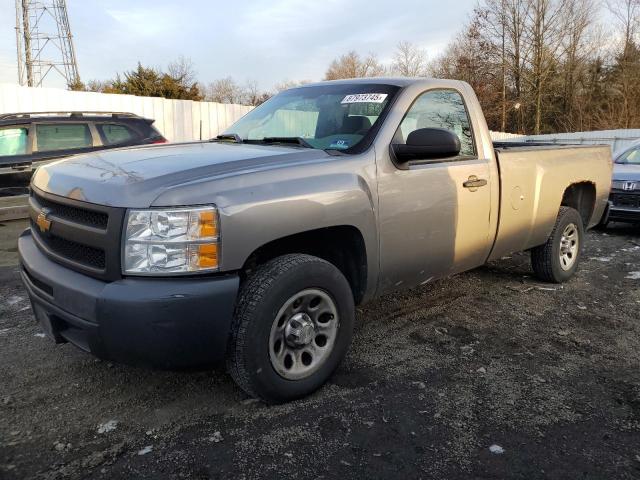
{"type": "Point", "coordinates": [164, 242]}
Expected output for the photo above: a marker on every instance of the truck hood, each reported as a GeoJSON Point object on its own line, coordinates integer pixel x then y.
{"type": "Point", "coordinates": [134, 177]}
{"type": "Point", "coordinates": [626, 172]}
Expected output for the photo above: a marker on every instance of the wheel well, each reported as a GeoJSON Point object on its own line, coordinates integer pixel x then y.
{"type": "Point", "coordinates": [343, 246]}
{"type": "Point", "coordinates": [582, 197]}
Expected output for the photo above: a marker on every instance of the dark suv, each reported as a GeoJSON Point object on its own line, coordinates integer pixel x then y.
{"type": "Point", "coordinates": [29, 139]}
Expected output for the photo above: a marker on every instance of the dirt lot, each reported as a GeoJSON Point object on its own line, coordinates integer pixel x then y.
{"type": "Point", "coordinates": [436, 376]}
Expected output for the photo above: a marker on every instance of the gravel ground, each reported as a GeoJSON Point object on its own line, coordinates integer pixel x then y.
{"type": "Point", "coordinates": [489, 374]}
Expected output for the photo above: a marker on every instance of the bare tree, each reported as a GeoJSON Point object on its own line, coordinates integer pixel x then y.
{"type": "Point", "coordinates": [371, 67]}
{"type": "Point", "coordinates": [545, 39]}
{"type": "Point", "coordinates": [253, 95]}
{"type": "Point", "coordinates": [627, 12]}
{"type": "Point", "coordinates": [473, 58]}
{"type": "Point", "coordinates": [409, 60]}
{"type": "Point", "coordinates": [515, 23]}
{"type": "Point", "coordinates": [351, 65]}
{"type": "Point", "coordinates": [499, 27]}
{"type": "Point", "coordinates": [182, 70]}
{"type": "Point", "coordinates": [492, 17]}
{"type": "Point", "coordinates": [224, 90]}
{"type": "Point", "coordinates": [287, 84]}
{"type": "Point", "coordinates": [577, 49]}
{"type": "Point", "coordinates": [627, 72]}
{"type": "Point", "coordinates": [544, 65]}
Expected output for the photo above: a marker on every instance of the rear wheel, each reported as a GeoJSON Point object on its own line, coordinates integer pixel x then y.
{"type": "Point", "coordinates": [557, 260]}
{"type": "Point", "coordinates": [292, 328]}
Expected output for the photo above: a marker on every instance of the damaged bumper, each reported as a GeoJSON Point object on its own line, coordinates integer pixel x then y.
{"type": "Point", "coordinates": [167, 323]}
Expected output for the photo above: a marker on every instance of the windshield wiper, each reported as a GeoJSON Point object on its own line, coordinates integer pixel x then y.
{"type": "Point", "coordinates": [297, 140]}
{"type": "Point", "coordinates": [228, 136]}
{"type": "Point", "coordinates": [235, 138]}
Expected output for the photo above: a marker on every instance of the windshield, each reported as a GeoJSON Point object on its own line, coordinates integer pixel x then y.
{"type": "Point", "coordinates": [631, 157]}
{"type": "Point", "coordinates": [336, 117]}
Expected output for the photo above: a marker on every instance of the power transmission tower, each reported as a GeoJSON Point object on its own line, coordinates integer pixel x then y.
{"type": "Point", "coordinates": [44, 42]}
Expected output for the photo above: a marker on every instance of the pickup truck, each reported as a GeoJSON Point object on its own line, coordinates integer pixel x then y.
{"type": "Point", "coordinates": [255, 247]}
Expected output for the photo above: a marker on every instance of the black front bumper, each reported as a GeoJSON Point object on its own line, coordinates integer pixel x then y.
{"type": "Point", "coordinates": [624, 206]}
{"type": "Point", "coordinates": [624, 214]}
{"type": "Point", "coordinates": [158, 322]}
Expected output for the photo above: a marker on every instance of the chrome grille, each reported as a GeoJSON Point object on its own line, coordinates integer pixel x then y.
{"type": "Point", "coordinates": [626, 200]}
{"type": "Point", "coordinates": [75, 214]}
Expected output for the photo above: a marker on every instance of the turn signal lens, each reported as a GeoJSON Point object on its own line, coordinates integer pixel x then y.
{"type": "Point", "coordinates": [208, 224]}
{"type": "Point", "coordinates": [204, 256]}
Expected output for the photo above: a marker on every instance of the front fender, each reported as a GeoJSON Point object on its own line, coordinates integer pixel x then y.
{"type": "Point", "coordinates": [258, 207]}
{"type": "Point", "coordinates": [254, 216]}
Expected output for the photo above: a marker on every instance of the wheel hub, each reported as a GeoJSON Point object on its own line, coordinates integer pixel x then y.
{"type": "Point", "coordinates": [303, 334]}
{"type": "Point", "coordinates": [299, 330]}
{"type": "Point", "coordinates": [569, 246]}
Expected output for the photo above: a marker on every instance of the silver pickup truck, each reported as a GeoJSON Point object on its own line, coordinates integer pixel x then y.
{"type": "Point", "coordinates": [255, 247]}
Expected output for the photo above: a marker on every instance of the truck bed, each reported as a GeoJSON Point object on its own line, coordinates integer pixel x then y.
{"type": "Point", "coordinates": [506, 145]}
{"type": "Point", "coordinates": [533, 181]}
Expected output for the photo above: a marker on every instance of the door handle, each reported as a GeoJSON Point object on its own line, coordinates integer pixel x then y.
{"type": "Point", "coordinates": [474, 183]}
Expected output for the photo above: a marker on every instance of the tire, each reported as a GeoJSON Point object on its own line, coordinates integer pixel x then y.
{"type": "Point", "coordinates": [266, 312]}
{"type": "Point", "coordinates": [548, 263]}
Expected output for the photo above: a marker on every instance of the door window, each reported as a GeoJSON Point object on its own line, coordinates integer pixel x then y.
{"type": "Point", "coordinates": [439, 109]}
{"type": "Point", "coordinates": [63, 136]}
{"type": "Point", "coordinates": [114, 134]}
{"type": "Point", "coordinates": [13, 141]}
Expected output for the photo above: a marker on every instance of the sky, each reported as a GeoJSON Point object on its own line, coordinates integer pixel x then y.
{"type": "Point", "coordinates": [263, 40]}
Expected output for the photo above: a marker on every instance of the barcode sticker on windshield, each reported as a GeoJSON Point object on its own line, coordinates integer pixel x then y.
{"type": "Point", "coordinates": [365, 98]}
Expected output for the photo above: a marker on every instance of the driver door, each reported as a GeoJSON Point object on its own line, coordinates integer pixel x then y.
{"type": "Point", "coordinates": [432, 223]}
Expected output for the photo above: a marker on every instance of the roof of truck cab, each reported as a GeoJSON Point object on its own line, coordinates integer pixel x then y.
{"type": "Point", "coordinates": [396, 81]}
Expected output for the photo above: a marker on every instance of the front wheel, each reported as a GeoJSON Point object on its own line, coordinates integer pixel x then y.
{"type": "Point", "coordinates": [292, 328]}
{"type": "Point", "coordinates": [557, 260]}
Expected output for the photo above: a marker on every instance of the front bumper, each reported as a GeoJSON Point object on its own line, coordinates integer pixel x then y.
{"type": "Point", "coordinates": [624, 214]}
{"type": "Point", "coordinates": [620, 214]}
{"type": "Point", "coordinates": [159, 322]}
{"type": "Point", "coordinates": [624, 206]}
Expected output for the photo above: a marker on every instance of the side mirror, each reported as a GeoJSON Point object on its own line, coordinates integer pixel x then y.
{"type": "Point", "coordinates": [427, 144]}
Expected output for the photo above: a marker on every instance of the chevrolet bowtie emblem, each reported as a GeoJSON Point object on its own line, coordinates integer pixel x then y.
{"type": "Point", "coordinates": [43, 222]}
